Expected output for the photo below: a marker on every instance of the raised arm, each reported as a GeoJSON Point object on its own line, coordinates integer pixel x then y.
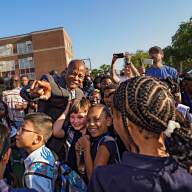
{"type": "Point", "coordinates": [114, 75]}
{"type": "Point", "coordinates": [57, 126]}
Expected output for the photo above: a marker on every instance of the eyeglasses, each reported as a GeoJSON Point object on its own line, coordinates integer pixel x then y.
{"type": "Point", "coordinates": [22, 129]}
{"type": "Point", "coordinates": [75, 74]}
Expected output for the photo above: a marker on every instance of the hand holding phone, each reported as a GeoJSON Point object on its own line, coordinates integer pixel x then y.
{"type": "Point", "coordinates": [148, 61]}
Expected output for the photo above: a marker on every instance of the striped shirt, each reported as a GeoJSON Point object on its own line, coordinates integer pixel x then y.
{"type": "Point", "coordinates": [13, 98]}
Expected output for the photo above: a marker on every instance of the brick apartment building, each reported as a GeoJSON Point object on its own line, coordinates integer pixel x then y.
{"type": "Point", "coordinates": [35, 53]}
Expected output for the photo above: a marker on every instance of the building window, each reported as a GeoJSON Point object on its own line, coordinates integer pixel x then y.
{"type": "Point", "coordinates": [6, 50]}
{"type": "Point", "coordinates": [29, 72]}
{"type": "Point", "coordinates": [26, 67]}
{"type": "Point", "coordinates": [26, 63]}
{"type": "Point", "coordinates": [7, 66]}
{"type": "Point", "coordinates": [24, 47]}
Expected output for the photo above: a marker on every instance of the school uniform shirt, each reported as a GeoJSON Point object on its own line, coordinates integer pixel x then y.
{"type": "Point", "coordinates": [109, 142]}
{"type": "Point", "coordinates": [141, 173]}
{"type": "Point", "coordinates": [39, 170]}
{"type": "Point", "coordinates": [71, 137]}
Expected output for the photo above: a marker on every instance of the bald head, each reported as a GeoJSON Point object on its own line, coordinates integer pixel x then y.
{"type": "Point", "coordinates": [75, 74]}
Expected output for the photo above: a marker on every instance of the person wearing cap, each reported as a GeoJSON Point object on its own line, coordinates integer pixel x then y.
{"type": "Point", "coordinates": [5, 152]}
{"type": "Point", "coordinates": [159, 70]}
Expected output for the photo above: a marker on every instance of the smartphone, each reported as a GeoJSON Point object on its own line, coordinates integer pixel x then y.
{"type": "Point", "coordinates": [119, 55]}
{"type": "Point", "coordinates": [148, 61]}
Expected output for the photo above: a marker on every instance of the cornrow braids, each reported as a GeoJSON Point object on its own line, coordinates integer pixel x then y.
{"type": "Point", "coordinates": [146, 102]}
{"type": "Point", "coordinates": [120, 96]}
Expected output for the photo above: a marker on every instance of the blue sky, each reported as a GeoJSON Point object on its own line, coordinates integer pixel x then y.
{"type": "Point", "coordinates": [98, 28]}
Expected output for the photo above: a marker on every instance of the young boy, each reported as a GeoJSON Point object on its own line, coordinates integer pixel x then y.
{"type": "Point", "coordinates": [5, 151]}
{"type": "Point", "coordinates": [39, 165]}
{"type": "Point", "coordinates": [73, 130]}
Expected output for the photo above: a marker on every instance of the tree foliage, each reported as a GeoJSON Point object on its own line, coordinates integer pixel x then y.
{"type": "Point", "coordinates": [181, 49]}
{"type": "Point", "coordinates": [103, 69]}
{"type": "Point", "coordinates": [138, 57]}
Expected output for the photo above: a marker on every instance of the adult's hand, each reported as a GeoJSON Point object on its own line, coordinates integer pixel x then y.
{"type": "Point", "coordinates": [114, 58]}
{"type": "Point", "coordinates": [41, 89]}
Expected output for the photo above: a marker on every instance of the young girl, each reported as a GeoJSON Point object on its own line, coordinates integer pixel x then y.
{"type": "Point", "coordinates": [71, 131]}
{"type": "Point", "coordinates": [101, 148]}
{"type": "Point", "coordinates": [143, 115]}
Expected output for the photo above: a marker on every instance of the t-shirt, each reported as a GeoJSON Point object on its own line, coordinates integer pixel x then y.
{"type": "Point", "coordinates": [143, 173]}
{"type": "Point", "coordinates": [162, 73]}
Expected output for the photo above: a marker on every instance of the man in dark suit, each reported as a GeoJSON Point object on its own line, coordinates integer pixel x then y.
{"type": "Point", "coordinates": [53, 92]}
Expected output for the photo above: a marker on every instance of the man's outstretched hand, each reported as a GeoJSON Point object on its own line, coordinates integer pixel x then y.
{"type": "Point", "coordinates": [42, 89]}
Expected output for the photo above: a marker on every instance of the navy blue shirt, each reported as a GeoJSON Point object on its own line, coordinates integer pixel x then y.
{"type": "Point", "coordinates": [162, 73]}
{"type": "Point", "coordinates": [71, 137]}
{"type": "Point", "coordinates": [141, 173]}
{"type": "Point", "coordinates": [109, 141]}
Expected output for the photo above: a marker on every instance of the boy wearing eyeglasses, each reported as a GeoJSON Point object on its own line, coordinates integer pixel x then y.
{"type": "Point", "coordinates": [39, 165]}
{"type": "Point", "coordinates": [5, 151]}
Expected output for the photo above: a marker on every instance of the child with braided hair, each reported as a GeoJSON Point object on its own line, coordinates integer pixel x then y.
{"type": "Point", "coordinates": [143, 115]}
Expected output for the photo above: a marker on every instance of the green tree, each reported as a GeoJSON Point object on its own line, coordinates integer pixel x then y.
{"type": "Point", "coordinates": [181, 49]}
{"type": "Point", "coordinates": [138, 57]}
{"type": "Point", "coordinates": [103, 69]}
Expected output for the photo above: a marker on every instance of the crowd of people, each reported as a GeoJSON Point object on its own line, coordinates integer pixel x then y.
{"type": "Point", "coordinates": [128, 132]}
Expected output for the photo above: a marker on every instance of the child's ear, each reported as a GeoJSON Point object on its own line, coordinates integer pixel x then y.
{"type": "Point", "coordinates": [38, 139]}
{"type": "Point", "coordinates": [109, 121]}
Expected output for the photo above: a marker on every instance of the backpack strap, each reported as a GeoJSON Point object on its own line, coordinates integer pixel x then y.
{"type": "Point", "coordinates": [41, 169]}
{"type": "Point", "coordinates": [107, 138]}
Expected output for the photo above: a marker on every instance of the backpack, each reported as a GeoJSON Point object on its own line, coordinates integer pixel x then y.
{"type": "Point", "coordinates": [107, 138]}
{"type": "Point", "coordinates": [68, 180]}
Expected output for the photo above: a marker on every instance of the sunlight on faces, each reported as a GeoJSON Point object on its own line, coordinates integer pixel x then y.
{"type": "Point", "coordinates": [108, 97]}
{"type": "Point", "coordinates": [78, 120]}
{"type": "Point", "coordinates": [95, 98]}
{"type": "Point", "coordinates": [97, 121]}
{"type": "Point", "coordinates": [27, 136]}
{"type": "Point", "coordinates": [105, 83]}
{"type": "Point", "coordinates": [127, 69]}
{"type": "Point", "coordinates": [156, 56]}
{"type": "Point", "coordinates": [75, 74]}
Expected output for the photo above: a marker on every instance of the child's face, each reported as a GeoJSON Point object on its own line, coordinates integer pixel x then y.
{"type": "Point", "coordinates": [26, 135]}
{"type": "Point", "coordinates": [95, 98]}
{"type": "Point", "coordinates": [97, 121]}
{"type": "Point", "coordinates": [78, 120]}
{"type": "Point", "coordinates": [108, 97]}
{"type": "Point", "coordinates": [105, 83]}
{"type": "Point", "coordinates": [2, 110]}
